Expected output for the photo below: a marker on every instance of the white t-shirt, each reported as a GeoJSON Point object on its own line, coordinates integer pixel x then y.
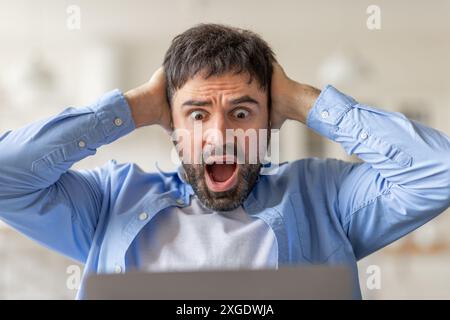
{"type": "Point", "coordinates": [195, 237]}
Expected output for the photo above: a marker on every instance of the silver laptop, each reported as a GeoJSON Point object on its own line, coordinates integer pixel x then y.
{"type": "Point", "coordinates": [287, 283]}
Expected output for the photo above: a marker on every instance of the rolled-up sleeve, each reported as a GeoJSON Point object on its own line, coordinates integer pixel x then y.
{"type": "Point", "coordinates": [404, 180]}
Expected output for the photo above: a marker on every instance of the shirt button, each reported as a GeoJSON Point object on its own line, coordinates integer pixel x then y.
{"type": "Point", "coordinates": [364, 135]}
{"type": "Point", "coordinates": [180, 202]}
{"type": "Point", "coordinates": [81, 144]}
{"type": "Point", "coordinates": [143, 216]}
{"type": "Point", "coordinates": [117, 269]}
{"type": "Point", "coordinates": [118, 122]}
{"type": "Point", "coordinates": [324, 114]}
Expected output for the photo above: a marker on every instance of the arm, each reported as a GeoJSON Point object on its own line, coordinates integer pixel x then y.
{"type": "Point", "coordinates": [39, 195]}
{"type": "Point", "coordinates": [404, 180]}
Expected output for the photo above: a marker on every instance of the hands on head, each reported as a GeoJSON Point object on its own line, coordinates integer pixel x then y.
{"type": "Point", "coordinates": [290, 100]}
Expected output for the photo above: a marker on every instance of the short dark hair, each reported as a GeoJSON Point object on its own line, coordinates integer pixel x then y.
{"type": "Point", "coordinates": [217, 49]}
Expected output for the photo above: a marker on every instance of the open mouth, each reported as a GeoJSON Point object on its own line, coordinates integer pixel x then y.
{"type": "Point", "coordinates": [221, 176]}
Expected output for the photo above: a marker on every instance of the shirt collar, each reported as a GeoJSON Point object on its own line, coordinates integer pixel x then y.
{"type": "Point", "coordinates": [186, 187]}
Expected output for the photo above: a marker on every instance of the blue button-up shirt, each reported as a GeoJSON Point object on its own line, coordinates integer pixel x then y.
{"type": "Point", "coordinates": [322, 211]}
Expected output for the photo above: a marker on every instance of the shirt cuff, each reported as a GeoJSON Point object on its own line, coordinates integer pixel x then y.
{"type": "Point", "coordinates": [328, 110]}
{"type": "Point", "coordinates": [114, 115]}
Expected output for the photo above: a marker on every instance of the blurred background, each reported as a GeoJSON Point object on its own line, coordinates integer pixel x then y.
{"type": "Point", "coordinates": [394, 55]}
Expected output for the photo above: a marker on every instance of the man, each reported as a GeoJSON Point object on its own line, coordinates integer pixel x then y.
{"type": "Point", "coordinates": [221, 212]}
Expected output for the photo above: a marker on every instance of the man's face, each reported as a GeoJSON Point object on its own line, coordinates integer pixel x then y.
{"type": "Point", "coordinates": [219, 122]}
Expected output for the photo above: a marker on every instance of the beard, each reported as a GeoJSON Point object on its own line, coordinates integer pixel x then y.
{"type": "Point", "coordinates": [225, 200]}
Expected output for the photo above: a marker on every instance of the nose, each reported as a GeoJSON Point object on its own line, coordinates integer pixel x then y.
{"type": "Point", "coordinates": [215, 133]}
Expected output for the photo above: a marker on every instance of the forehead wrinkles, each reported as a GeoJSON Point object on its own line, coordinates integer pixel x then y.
{"type": "Point", "coordinates": [214, 87]}
{"type": "Point", "coordinates": [216, 90]}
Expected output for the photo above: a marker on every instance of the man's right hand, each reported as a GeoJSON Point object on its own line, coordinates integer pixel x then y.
{"type": "Point", "coordinates": [148, 102]}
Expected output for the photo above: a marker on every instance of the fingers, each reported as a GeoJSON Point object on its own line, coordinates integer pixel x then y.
{"type": "Point", "coordinates": [276, 121]}
{"type": "Point", "coordinates": [159, 75]}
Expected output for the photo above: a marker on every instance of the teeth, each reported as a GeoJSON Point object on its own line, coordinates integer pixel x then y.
{"type": "Point", "coordinates": [225, 160]}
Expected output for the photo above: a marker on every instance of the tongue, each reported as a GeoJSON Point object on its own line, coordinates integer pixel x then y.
{"type": "Point", "coordinates": [221, 172]}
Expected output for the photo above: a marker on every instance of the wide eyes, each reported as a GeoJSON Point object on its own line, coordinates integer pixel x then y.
{"type": "Point", "coordinates": [198, 115]}
{"type": "Point", "coordinates": [238, 113]}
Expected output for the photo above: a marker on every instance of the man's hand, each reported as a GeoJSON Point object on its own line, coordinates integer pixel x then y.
{"type": "Point", "coordinates": [290, 99]}
{"type": "Point", "coordinates": [148, 103]}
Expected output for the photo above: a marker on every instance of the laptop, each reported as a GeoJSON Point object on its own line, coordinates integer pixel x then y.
{"type": "Point", "coordinates": [286, 283]}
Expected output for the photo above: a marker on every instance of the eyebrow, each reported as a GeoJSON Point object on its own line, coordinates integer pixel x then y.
{"type": "Point", "coordinates": [202, 103]}
{"type": "Point", "coordinates": [244, 99]}
{"type": "Point", "coordinates": [197, 103]}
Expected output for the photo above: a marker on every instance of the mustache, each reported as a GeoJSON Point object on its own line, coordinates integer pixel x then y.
{"type": "Point", "coordinates": [226, 153]}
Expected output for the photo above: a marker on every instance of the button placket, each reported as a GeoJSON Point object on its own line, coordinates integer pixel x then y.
{"type": "Point", "coordinates": [118, 122]}
{"type": "Point", "coordinates": [81, 144]}
{"type": "Point", "coordinates": [143, 216]}
{"type": "Point", "coordinates": [363, 135]}
{"type": "Point", "coordinates": [117, 268]}
{"type": "Point", "coordinates": [324, 114]}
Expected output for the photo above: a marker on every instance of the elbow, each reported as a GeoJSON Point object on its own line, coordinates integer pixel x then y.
{"type": "Point", "coordinates": [447, 177]}
{"type": "Point", "coordinates": [444, 163]}
{"type": "Point", "coordinates": [444, 177]}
